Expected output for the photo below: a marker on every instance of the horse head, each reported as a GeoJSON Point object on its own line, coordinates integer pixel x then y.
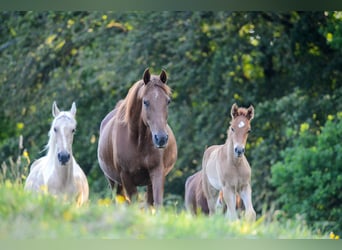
{"type": "Point", "coordinates": [155, 99]}
{"type": "Point", "coordinates": [240, 128]}
{"type": "Point", "coordinates": [62, 132]}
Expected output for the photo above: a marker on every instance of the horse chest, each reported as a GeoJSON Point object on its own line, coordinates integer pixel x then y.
{"type": "Point", "coordinates": [138, 165]}
{"type": "Point", "coordinates": [236, 176]}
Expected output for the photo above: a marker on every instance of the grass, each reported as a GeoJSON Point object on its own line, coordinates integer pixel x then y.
{"type": "Point", "coordinates": [26, 215]}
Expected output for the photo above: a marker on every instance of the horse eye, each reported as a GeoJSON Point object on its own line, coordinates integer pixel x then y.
{"type": "Point", "coordinates": [55, 129]}
{"type": "Point", "coordinates": [168, 101]}
{"type": "Point", "coordinates": [146, 103]}
{"type": "Point", "coordinates": [249, 131]}
{"type": "Point", "coordinates": [233, 129]}
{"type": "Point", "coordinates": [73, 131]}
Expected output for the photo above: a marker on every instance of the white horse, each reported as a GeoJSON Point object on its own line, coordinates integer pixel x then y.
{"type": "Point", "coordinates": [58, 173]}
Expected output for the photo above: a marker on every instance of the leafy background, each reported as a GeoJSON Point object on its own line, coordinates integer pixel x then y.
{"type": "Point", "coordinates": [288, 65]}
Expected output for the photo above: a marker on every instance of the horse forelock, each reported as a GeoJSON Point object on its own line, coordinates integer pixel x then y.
{"type": "Point", "coordinates": [242, 112]}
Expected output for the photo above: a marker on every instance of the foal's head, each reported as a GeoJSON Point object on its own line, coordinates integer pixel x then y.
{"type": "Point", "coordinates": [62, 132]}
{"type": "Point", "coordinates": [240, 127]}
{"type": "Point", "coordinates": [155, 99]}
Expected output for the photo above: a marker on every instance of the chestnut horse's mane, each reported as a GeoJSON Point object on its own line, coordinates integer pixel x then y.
{"type": "Point", "coordinates": [131, 105]}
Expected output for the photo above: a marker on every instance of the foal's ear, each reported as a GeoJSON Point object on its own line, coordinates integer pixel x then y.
{"type": "Point", "coordinates": [146, 76]}
{"type": "Point", "coordinates": [163, 76]}
{"type": "Point", "coordinates": [73, 109]}
{"type": "Point", "coordinates": [55, 110]}
{"type": "Point", "coordinates": [250, 113]}
{"type": "Point", "coordinates": [234, 111]}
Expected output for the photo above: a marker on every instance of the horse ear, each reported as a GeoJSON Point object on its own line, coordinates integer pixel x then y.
{"type": "Point", "coordinates": [146, 76]}
{"type": "Point", "coordinates": [73, 109]}
{"type": "Point", "coordinates": [250, 113]}
{"type": "Point", "coordinates": [234, 111]}
{"type": "Point", "coordinates": [163, 76]}
{"type": "Point", "coordinates": [55, 110]}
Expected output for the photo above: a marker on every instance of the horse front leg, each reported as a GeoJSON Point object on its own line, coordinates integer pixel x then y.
{"type": "Point", "coordinates": [149, 195]}
{"type": "Point", "coordinates": [210, 193]}
{"type": "Point", "coordinates": [246, 196]}
{"type": "Point", "coordinates": [157, 180]}
{"type": "Point", "coordinates": [129, 187]}
{"type": "Point", "coordinates": [229, 197]}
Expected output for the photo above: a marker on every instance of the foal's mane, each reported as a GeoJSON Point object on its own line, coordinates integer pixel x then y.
{"type": "Point", "coordinates": [131, 105]}
{"type": "Point", "coordinates": [242, 112]}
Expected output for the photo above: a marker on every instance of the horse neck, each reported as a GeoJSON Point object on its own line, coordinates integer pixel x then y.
{"type": "Point", "coordinates": [140, 133]}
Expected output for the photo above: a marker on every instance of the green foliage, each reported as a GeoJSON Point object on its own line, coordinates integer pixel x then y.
{"type": "Point", "coordinates": [309, 178]}
{"type": "Point", "coordinates": [26, 215]}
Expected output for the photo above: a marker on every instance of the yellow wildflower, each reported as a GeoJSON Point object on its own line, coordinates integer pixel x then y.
{"type": "Point", "coordinates": [104, 202]}
{"type": "Point", "coordinates": [67, 216]}
{"type": "Point", "coordinates": [120, 199]}
{"type": "Point", "coordinates": [333, 236]}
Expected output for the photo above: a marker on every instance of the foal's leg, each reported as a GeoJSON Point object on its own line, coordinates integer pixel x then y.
{"type": "Point", "coordinates": [213, 195]}
{"type": "Point", "coordinates": [229, 197]}
{"type": "Point", "coordinates": [246, 196]}
{"type": "Point", "coordinates": [210, 193]}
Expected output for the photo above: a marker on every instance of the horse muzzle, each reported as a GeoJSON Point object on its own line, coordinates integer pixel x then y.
{"type": "Point", "coordinates": [160, 140]}
{"type": "Point", "coordinates": [63, 157]}
{"type": "Point", "coordinates": [239, 151]}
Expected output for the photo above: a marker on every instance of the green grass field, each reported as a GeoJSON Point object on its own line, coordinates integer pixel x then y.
{"type": "Point", "coordinates": [25, 216]}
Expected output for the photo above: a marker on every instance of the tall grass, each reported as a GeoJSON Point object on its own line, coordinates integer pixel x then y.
{"type": "Point", "coordinates": [26, 215]}
{"type": "Point", "coordinates": [16, 168]}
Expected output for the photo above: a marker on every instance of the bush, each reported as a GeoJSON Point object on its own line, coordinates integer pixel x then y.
{"type": "Point", "coordinates": [308, 180]}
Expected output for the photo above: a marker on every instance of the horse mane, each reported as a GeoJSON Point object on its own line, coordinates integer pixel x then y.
{"type": "Point", "coordinates": [131, 105]}
{"type": "Point", "coordinates": [242, 112]}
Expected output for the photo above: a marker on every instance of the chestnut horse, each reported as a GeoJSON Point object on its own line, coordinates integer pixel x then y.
{"type": "Point", "coordinates": [136, 145]}
{"type": "Point", "coordinates": [58, 173]}
{"type": "Point", "coordinates": [225, 167]}
{"type": "Point", "coordinates": [195, 201]}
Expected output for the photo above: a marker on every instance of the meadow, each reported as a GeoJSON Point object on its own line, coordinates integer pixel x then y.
{"type": "Point", "coordinates": [26, 215]}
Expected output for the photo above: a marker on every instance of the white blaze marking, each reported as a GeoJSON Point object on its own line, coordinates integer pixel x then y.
{"type": "Point", "coordinates": [156, 94]}
{"type": "Point", "coordinates": [64, 138]}
{"type": "Point", "coordinates": [241, 124]}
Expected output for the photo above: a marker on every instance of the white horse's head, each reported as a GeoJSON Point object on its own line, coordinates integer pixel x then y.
{"type": "Point", "coordinates": [62, 133]}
